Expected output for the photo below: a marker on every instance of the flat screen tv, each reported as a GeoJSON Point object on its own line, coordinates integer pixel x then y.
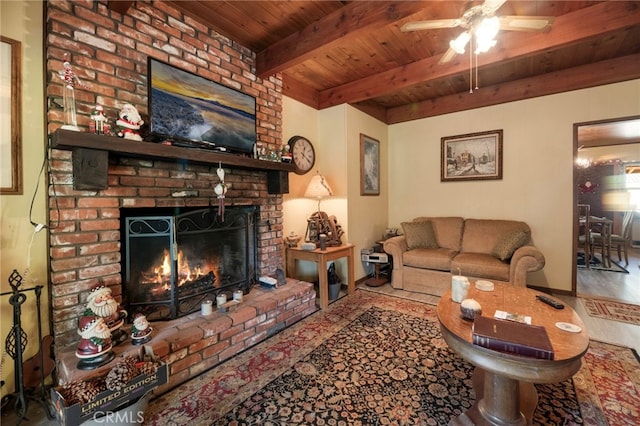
{"type": "Point", "coordinates": [190, 110]}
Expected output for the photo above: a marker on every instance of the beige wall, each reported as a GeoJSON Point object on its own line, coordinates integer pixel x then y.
{"type": "Point", "coordinates": [20, 247]}
{"type": "Point", "coordinates": [537, 184]}
{"type": "Point", "coordinates": [335, 133]}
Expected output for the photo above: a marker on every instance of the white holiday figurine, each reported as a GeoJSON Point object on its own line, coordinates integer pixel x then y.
{"type": "Point", "coordinates": [220, 190]}
{"type": "Point", "coordinates": [129, 123]}
{"type": "Point", "coordinates": [68, 95]}
{"type": "Point", "coordinates": [140, 330]}
{"type": "Point", "coordinates": [97, 115]}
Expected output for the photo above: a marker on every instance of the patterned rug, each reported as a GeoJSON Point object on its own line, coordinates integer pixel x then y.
{"type": "Point", "coordinates": [371, 359]}
{"type": "Point", "coordinates": [611, 310]}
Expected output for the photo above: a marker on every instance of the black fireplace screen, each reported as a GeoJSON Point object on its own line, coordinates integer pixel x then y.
{"type": "Point", "coordinates": [173, 263]}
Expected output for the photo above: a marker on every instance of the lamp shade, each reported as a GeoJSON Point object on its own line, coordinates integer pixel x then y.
{"type": "Point", "coordinates": [318, 188]}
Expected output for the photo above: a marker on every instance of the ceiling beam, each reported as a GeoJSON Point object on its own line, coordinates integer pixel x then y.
{"type": "Point", "coordinates": [582, 77]}
{"type": "Point", "coordinates": [351, 21]}
{"type": "Point", "coordinates": [585, 23]}
{"type": "Point", "coordinates": [299, 91]}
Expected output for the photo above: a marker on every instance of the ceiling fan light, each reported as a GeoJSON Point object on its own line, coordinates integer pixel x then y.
{"type": "Point", "coordinates": [483, 46]}
{"type": "Point", "coordinates": [460, 42]}
{"type": "Point", "coordinates": [488, 28]}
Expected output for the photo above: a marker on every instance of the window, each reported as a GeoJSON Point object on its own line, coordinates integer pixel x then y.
{"type": "Point", "coordinates": [632, 183]}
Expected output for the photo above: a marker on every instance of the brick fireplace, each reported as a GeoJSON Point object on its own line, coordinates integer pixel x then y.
{"type": "Point", "coordinates": [109, 51]}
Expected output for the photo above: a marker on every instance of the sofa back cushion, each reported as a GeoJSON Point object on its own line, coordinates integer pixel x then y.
{"type": "Point", "coordinates": [484, 235]}
{"type": "Point", "coordinates": [419, 234]}
{"type": "Point", "coordinates": [448, 230]}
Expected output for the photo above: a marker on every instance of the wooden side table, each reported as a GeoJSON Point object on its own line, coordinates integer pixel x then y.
{"type": "Point", "coordinates": [321, 257]}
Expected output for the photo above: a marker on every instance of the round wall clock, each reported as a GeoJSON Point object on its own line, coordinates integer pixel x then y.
{"type": "Point", "coordinates": [303, 155]}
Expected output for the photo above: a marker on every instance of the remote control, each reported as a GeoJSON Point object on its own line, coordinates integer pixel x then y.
{"type": "Point", "coordinates": [549, 301]}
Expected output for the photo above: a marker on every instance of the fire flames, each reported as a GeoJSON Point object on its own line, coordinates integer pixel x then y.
{"type": "Point", "coordinates": [161, 274]}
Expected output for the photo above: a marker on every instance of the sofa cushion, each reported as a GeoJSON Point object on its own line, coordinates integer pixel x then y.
{"type": "Point", "coordinates": [482, 235]}
{"type": "Point", "coordinates": [448, 230]}
{"type": "Point", "coordinates": [481, 265]}
{"type": "Point", "coordinates": [419, 235]}
{"type": "Point", "coordinates": [509, 244]}
{"type": "Point", "coordinates": [438, 259]}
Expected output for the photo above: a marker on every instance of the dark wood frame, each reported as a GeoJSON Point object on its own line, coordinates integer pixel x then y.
{"type": "Point", "coordinates": [12, 149]}
{"type": "Point", "coordinates": [369, 179]}
{"type": "Point", "coordinates": [478, 145]}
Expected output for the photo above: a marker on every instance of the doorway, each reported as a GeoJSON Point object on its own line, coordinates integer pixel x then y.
{"type": "Point", "coordinates": [604, 153]}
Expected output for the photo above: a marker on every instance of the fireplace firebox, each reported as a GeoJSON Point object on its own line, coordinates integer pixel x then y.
{"type": "Point", "coordinates": [174, 262]}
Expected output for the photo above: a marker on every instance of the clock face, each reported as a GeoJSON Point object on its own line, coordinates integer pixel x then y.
{"type": "Point", "coordinates": [302, 154]}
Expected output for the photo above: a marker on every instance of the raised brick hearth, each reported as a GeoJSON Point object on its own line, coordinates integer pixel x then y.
{"type": "Point", "coordinates": [195, 343]}
{"type": "Point", "coordinates": [109, 52]}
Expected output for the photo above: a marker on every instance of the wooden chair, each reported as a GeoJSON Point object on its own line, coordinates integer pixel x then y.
{"type": "Point", "coordinates": [584, 232]}
{"type": "Point", "coordinates": [621, 241]}
{"type": "Point", "coordinates": [601, 239]}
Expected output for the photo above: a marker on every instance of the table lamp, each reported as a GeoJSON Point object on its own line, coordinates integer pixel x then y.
{"type": "Point", "coordinates": [320, 227]}
{"type": "Point", "coordinates": [318, 188]}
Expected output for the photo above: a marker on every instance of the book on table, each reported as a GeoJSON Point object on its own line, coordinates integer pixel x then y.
{"type": "Point", "coordinates": [512, 337]}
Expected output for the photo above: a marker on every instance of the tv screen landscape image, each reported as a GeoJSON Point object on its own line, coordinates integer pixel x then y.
{"type": "Point", "coordinates": [184, 107]}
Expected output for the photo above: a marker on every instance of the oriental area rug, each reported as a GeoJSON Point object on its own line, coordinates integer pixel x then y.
{"type": "Point", "coordinates": [372, 359]}
{"type": "Point", "coordinates": [612, 310]}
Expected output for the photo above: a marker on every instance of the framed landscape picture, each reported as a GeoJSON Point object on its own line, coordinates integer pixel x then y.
{"type": "Point", "coordinates": [369, 165]}
{"type": "Point", "coordinates": [474, 156]}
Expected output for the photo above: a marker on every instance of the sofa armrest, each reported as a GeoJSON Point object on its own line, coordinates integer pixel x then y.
{"type": "Point", "coordinates": [525, 259]}
{"type": "Point", "coordinates": [394, 247]}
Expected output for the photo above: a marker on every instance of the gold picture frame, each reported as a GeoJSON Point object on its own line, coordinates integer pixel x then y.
{"type": "Point", "coordinates": [473, 156]}
{"type": "Point", "coordinates": [10, 117]}
{"type": "Point", "coordinates": [369, 165]}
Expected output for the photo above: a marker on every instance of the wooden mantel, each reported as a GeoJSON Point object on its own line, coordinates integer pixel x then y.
{"type": "Point", "coordinates": [68, 139]}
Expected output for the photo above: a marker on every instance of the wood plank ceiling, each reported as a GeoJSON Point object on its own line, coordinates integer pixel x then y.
{"type": "Point", "coordinates": [334, 52]}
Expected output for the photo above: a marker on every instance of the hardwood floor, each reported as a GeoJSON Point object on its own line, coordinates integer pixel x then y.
{"type": "Point", "coordinates": [612, 285]}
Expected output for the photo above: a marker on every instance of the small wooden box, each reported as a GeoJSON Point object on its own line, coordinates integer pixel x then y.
{"type": "Point", "coordinates": [277, 182]}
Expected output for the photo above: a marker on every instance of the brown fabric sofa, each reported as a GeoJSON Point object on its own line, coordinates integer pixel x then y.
{"type": "Point", "coordinates": [433, 249]}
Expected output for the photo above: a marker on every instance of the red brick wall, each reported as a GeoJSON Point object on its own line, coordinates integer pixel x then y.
{"type": "Point", "coordinates": [108, 52]}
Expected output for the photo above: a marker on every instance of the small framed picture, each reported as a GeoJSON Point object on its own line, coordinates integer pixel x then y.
{"type": "Point", "coordinates": [474, 156]}
{"type": "Point", "coordinates": [369, 165]}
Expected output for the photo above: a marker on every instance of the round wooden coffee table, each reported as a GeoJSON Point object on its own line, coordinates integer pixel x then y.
{"type": "Point", "coordinates": [503, 383]}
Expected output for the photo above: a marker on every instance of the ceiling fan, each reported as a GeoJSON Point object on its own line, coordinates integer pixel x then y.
{"type": "Point", "coordinates": [481, 25]}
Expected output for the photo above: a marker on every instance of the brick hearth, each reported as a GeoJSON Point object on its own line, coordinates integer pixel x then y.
{"type": "Point", "coordinates": [196, 343]}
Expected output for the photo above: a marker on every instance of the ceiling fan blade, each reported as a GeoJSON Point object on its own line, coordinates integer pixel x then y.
{"type": "Point", "coordinates": [448, 55]}
{"type": "Point", "coordinates": [430, 25]}
{"type": "Point", "coordinates": [526, 23]}
{"type": "Point", "coordinates": [489, 7]}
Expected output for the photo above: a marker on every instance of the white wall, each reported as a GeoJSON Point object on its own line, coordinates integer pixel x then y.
{"type": "Point", "coordinates": [537, 184]}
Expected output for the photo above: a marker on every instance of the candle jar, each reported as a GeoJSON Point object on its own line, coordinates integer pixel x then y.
{"type": "Point", "coordinates": [221, 299]}
{"type": "Point", "coordinates": [323, 242]}
{"type": "Point", "coordinates": [206, 308]}
{"type": "Point", "coordinates": [459, 288]}
{"type": "Point", "coordinates": [237, 296]}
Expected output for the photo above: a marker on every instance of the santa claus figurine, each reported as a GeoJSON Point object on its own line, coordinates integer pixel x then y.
{"type": "Point", "coordinates": [140, 330]}
{"type": "Point", "coordinates": [129, 123]}
{"type": "Point", "coordinates": [94, 348]}
{"type": "Point", "coordinates": [101, 303]}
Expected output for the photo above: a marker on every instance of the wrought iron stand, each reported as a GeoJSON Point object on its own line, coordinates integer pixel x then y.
{"type": "Point", "coordinates": [16, 343]}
